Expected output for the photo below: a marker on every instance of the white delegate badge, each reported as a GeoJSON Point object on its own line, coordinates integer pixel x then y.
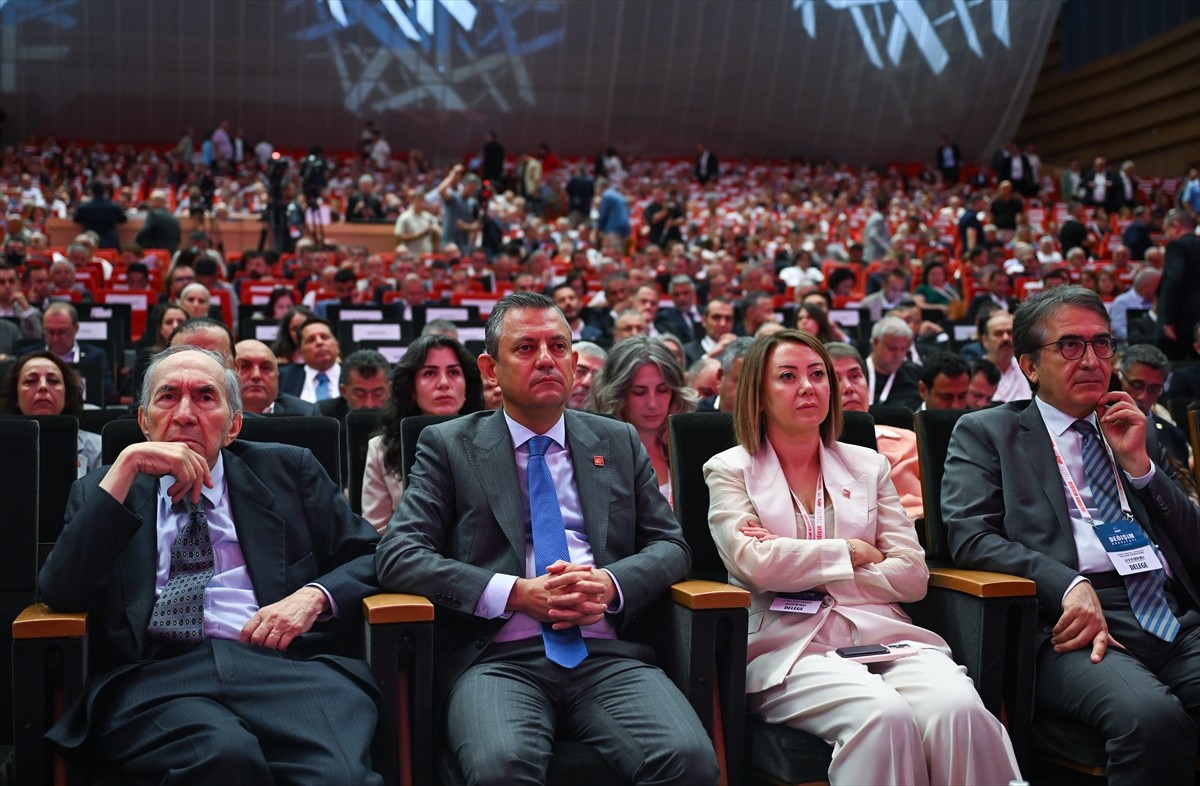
{"type": "Point", "coordinates": [798, 602]}
{"type": "Point", "coordinates": [1129, 550]}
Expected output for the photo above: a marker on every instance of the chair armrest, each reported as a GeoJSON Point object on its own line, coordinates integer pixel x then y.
{"type": "Point", "coordinates": [398, 643]}
{"type": "Point", "coordinates": [981, 583]}
{"type": "Point", "coordinates": [393, 607]}
{"type": "Point", "coordinates": [697, 595]}
{"type": "Point", "coordinates": [50, 667]}
{"type": "Point", "coordinates": [39, 621]}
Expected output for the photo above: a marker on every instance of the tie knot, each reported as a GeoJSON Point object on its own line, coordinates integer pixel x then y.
{"type": "Point", "coordinates": [1084, 429]}
{"type": "Point", "coordinates": [538, 445]}
{"type": "Point", "coordinates": [321, 377]}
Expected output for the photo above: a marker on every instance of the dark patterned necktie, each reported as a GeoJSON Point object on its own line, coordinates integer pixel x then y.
{"type": "Point", "coordinates": [564, 647]}
{"type": "Point", "coordinates": [1146, 596]}
{"type": "Point", "coordinates": [179, 611]}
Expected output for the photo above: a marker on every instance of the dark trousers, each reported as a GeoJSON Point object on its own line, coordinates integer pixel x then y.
{"type": "Point", "coordinates": [1144, 700]}
{"type": "Point", "coordinates": [505, 712]}
{"type": "Point", "coordinates": [230, 713]}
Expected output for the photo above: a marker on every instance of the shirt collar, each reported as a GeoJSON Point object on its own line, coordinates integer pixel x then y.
{"type": "Point", "coordinates": [214, 495]}
{"type": "Point", "coordinates": [521, 434]}
{"type": "Point", "coordinates": [1058, 421]}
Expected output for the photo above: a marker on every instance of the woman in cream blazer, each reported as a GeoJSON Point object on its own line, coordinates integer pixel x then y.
{"type": "Point", "coordinates": [915, 719]}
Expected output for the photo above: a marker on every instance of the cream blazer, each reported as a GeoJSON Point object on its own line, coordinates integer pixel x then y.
{"type": "Point", "coordinates": [381, 488]}
{"type": "Point", "coordinates": [752, 488]}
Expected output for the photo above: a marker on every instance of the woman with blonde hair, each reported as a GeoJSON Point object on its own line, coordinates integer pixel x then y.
{"type": "Point", "coordinates": [814, 529]}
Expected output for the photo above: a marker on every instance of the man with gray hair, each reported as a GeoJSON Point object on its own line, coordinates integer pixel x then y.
{"type": "Point", "coordinates": [589, 359]}
{"type": "Point", "coordinates": [1142, 371]}
{"type": "Point", "coordinates": [1142, 296]}
{"type": "Point", "coordinates": [220, 577]}
{"type": "Point", "coordinates": [891, 377]}
{"type": "Point", "coordinates": [1061, 490]}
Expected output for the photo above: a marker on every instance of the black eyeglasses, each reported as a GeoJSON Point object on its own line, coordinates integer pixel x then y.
{"type": "Point", "coordinates": [1073, 348]}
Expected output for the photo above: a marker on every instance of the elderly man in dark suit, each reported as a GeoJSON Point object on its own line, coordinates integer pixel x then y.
{"type": "Point", "coordinates": [1061, 490]}
{"type": "Point", "coordinates": [223, 581]}
{"type": "Point", "coordinates": [540, 533]}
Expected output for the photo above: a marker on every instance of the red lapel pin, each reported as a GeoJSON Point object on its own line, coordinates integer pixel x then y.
{"type": "Point", "coordinates": [598, 461]}
{"type": "Point", "coordinates": [846, 493]}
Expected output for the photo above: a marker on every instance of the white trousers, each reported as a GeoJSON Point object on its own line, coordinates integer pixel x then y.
{"type": "Point", "coordinates": [917, 720]}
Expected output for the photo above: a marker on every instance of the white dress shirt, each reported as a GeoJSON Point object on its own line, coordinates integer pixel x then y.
{"type": "Point", "coordinates": [309, 391]}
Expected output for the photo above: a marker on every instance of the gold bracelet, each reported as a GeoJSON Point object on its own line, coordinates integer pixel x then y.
{"type": "Point", "coordinates": [850, 546]}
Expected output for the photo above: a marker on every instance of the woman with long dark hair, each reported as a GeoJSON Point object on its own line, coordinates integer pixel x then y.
{"type": "Point", "coordinates": [40, 383]}
{"type": "Point", "coordinates": [435, 376]}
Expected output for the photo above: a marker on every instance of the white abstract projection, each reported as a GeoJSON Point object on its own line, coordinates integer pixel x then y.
{"type": "Point", "coordinates": [909, 19]}
{"type": "Point", "coordinates": [455, 55]}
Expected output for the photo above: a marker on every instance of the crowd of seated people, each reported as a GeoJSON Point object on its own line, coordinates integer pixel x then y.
{"type": "Point", "coordinates": [906, 298]}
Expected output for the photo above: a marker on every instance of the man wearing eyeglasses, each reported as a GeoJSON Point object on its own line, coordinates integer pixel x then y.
{"type": "Point", "coordinates": [1142, 371]}
{"type": "Point", "coordinates": [1061, 490]}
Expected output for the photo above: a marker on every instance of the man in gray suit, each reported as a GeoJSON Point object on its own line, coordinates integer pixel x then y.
{"type": "Point", "coordinates": [530, 648]}
{"type": "Point", "coordinates": [1031, 489]}
{"type": "Point", "coordinates": [224, 581]}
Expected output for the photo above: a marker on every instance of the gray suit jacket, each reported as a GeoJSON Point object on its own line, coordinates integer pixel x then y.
{"type": "Point", "coordinates": [10, 334]}
{"type": "Point", "coordinates": [294, 528]}
{"type": "Point", "coordinates": [462, 519]}
{"type": "Point", "coordinates": [1005, 510]}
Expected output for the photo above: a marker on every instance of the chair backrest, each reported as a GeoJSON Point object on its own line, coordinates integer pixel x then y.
{"type": "Point", "coordinates": [58, 468]}
{"type": "Point", "coordinates": [695, 438]}
{"type": "Point", "coordinates": [894, 415]}
{"type": "Point", "coordinates": [19, 481]}
{"type": "Point", "coordinates": [934, 427]}
{"type": "Point", "coordinates": [321, 435]}
{"type": "Point", "coordinates": [94, 420]}
{"type": "Point", "coordinates": [360, 424]}
{"type": "Point", "coordinates": [858, 428]}
{"type": "Point", "coordinates": [410, 431]}
{"type": "Point", "coordinates": [19, 462]}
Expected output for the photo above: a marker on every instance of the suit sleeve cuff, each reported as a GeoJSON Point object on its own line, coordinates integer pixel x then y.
{"type": "Point", "coordinates": [618, 601]}
{"type": "Point", "coordinates": [1142, 481]}
{"type": "Point", "coordinates": [1074, 582]}
{"type": "Point", "coordinates": [494, 600]}
{"type": "Point", "coordinates": [333, 612]}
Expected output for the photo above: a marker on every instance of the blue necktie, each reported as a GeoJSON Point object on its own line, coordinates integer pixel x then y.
{"type": "Point", "coordinates": [322, 386]}
{"type": "Point", "coordinates": [564, 647]}
{"type": "Point", "coordinates": [1146, 595]}
{"type": "Point", "coordinates": [179, 611]}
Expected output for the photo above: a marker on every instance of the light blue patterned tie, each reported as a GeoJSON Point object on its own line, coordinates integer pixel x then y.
{"type": "Point", "coordinates": [564, 647]}
{"type": "Point", "coordinates": [322, 386]}
{"type": "Point", "coordinates": [1146, 595]}
{"type": "Point", "coordinates": [179, 611]}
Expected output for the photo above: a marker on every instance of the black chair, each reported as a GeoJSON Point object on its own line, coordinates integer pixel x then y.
{"type": "Point", "coordinates": [1007, 621]}
{"type": "Point", "coordinates": [410, 431]}
{"type": "Point", "coordinates": [360, 424]}
{"type": "Point", "coordinates": [698, 631]}
{"type": "Point", "coordinates": [58, 469]}
{"type": "Point", "coordinates": [321, 435]}
{"type": "Point", "coordinates": [19, 461]}
{"type": "Point", "coordinates": [94, 420]}
{"type": "Point", "coordinates": [894, 415]}
{"type": "Point", "coordinates": [959, 605]}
